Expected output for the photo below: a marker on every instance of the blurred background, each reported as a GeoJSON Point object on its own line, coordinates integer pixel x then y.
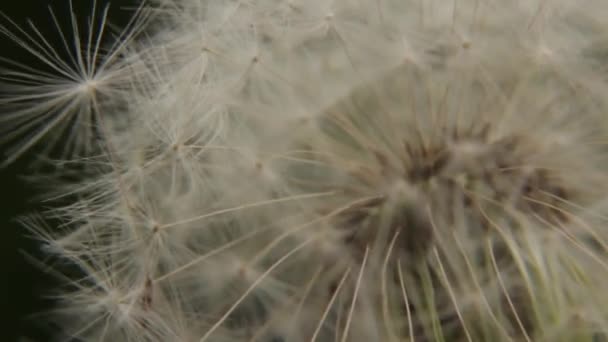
{"type": "Point", "coordinates": [24, 285]}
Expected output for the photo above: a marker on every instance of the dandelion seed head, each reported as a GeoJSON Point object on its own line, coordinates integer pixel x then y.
{"type": "Point", "coordinates": [346, 171]}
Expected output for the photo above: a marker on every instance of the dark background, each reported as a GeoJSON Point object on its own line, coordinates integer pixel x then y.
{"type": "Point", "coordinates": [23, 285]}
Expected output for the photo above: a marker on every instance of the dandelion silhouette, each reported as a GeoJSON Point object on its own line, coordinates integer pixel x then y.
{"type": "Point", "coordinates": [346, 171]}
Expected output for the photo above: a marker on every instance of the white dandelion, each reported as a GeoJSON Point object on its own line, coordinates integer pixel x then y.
{"type": "Point", "coordinates": [345, 170]}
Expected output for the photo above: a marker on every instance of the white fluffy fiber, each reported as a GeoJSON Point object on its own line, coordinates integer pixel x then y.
{"type": "Point", "coordinates": [255, 182]}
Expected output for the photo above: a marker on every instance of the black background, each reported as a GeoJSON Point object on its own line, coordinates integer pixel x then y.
{"type": "Point", "coordinates": [22, 284]}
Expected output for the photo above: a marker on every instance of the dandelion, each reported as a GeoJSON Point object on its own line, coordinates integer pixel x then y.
{"type": "Point", "coordinates": [347, 171]}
